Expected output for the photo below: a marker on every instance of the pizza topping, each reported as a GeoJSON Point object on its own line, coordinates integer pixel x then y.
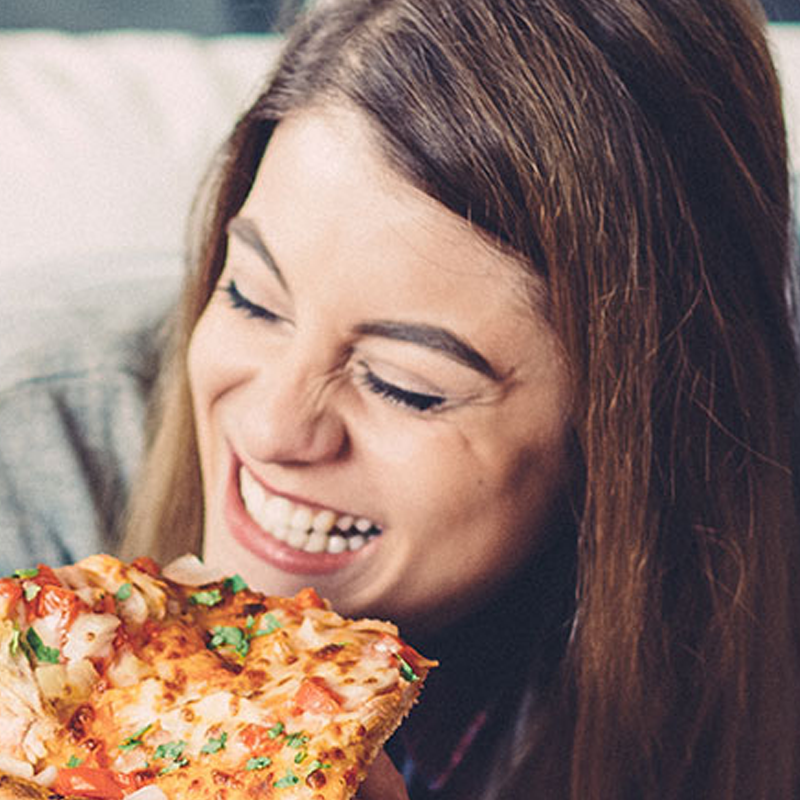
{"type": "Point", "coordinates": [91, 636]}
{"type": "Point", "coordinates": [130, 685]}
{"type": "Point", "coordinates": [39, 649]}
{"type": "Point", "coordinates": [215, 745]}
{"type": "Point", "coordinates": [136, 740]}
{"type": "Point", "coordinates": [210, 597]}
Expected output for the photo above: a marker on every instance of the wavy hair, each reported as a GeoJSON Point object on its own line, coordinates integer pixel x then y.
{"type": "Point", "coordinates": [632, 152]}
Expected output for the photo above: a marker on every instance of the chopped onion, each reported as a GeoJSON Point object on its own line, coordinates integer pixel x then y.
{"type": "Point", "coordinates": [15, 766]}
{"type": "Point", "coordinates": [149, 792]}
{"type": "Point", "coordinates": [81, 676]}
{"type": "Point", "coordinates": [189, 570]}
{"type": "Point", "coordinates": [134, 608]}
{"type": "Point", "coordinates": [91, 636]}
{"type": "Point", "coordinates": [47, 776]}
{"type": "Point", "coordinates": [52, 680]}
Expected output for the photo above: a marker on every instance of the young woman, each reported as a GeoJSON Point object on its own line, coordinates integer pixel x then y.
{"type": "Point", "coordinates": [487, 332]}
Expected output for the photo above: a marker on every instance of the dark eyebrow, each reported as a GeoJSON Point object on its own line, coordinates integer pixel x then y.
{"type": "Point", "coordinates": [433, 338]}
{"type": "Point", "coordinates": [246, 231]}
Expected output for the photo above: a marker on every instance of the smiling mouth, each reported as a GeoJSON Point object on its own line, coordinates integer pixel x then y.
{"type": "Point", "coordinates": [302, 527]}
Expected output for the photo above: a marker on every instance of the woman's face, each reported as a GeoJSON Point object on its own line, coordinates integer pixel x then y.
{"type": "Point", "coordinates": [380, 413]}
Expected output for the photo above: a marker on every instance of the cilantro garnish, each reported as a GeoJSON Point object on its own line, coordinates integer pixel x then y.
{"type": "Point", "coordinates": [31, 590]}
{"type": "Point", "coordinates": [270, 623]}
{"type": "Point", "coordinates": [124, 592]}
{"type": "Point", "coordinates": [225, 635]}
{"type": "Point", "coordinates": [406, 671]}
{"type": "Point", "coordinates": [25, 573]}
{"type": "Point", "coordinates": [276, 730]}
{"type": "Point", "coordinates": [50, 655]}
{"type": "Point", "coordinates": [235, 583]}
{"type": "Point", "coordinates": [296, 740]}
{"type": "Point", "coordinates": [15, 640]}
{"type": "Point", "coordinates": [132, 742]}
{"type": "Point", "coordinates": [290, 779]}
{"type": "Point", "coordinates": [74, 761]}
{"type": "Point", "coordinates": [259, 762]}
{"type": "Point", "coordinates": [215, 745]}
{"type": "Point", "coordinates": [208, 597]}
{"type": "Point", "coordinates": [171, 750]}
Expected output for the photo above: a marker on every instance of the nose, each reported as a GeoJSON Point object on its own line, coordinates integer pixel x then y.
{"type": "Point", "coordinates": [292, 419]}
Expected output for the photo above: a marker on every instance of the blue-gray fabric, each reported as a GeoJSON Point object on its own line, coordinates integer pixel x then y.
{"type": "Point", "coordinates": [74, 381]}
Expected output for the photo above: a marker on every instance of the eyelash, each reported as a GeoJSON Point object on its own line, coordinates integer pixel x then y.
{"type": "Point", "coordinates": [250, 309]}
{"type": "Point", "coordinates": [402, 397]}
{"type": "Point", "coordinates": [394, 394]}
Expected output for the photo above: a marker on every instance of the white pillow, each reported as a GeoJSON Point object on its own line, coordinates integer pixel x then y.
{"type": "Point", "coordinates": [104, 138]}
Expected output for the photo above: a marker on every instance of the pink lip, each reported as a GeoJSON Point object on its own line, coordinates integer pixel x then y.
{"type": "Point", "coordinates": [266, 547]}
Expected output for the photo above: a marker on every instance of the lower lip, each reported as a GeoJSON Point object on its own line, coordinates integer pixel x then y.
{"type": "Point", "coordinates": [266, 547]}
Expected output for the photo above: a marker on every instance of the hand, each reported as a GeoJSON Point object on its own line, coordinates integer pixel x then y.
{"type": "Point", "coordinates": [383, 782]}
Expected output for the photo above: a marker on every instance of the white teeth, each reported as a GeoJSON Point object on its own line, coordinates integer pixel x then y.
{"type": "Point", "coordinates": [323, 521]}
{"type": "Point", "coordinates": [301, 518]}
{"type": "Point", "coordinates": [356, 542]}
{"type": "Point", "coordinates": [300, 527]}
{"type": "Point", "coordinates": [317, 542]}
{"type": "Point", "coordinates": [297, 539]}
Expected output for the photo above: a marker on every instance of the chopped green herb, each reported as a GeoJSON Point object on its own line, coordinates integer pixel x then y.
{"type": "Point", "coordinates": [233, 637]}
{"type": "Point", "coordinates": [260, 762]}
{"type": "Point", "coordinates": [406, 671]}
{"type": "Point", "coordinates": [290, 779]}
{"type": "Point", "coordinates": [15, 641]}
{"type": "Point", "coordinates": [132, 742]}
{"type": "Point", "coordinates": [215, 745]}
{"type": "Point", "coordinates": [170, 750]}
{"type": "Point", "coordinates": [124, 592]}
{"type": "Point", "coordinates": [74, 761]}
{"type": "Point", "coordinates": [235, 583]}
{"type": "Point", "coordinates": [25, 573]}
{"type": "Point", "coordinates": [300, 757]}
{"type": "Point", "coordinates": [269, 624]}
{"type": "Point", "coordinates": [317, 764]}
{"type": "Point", "coordinates": [211, 597]}
{"type": "Point", "coordinates": [276, 730]}
{"type": "Point", "coordinates": [296, 740]}
{"type": "Point", "coordinates": [50, 655]}
{"type": "Point", "coordinates": [31, 590]}
{"type": "Point", "coordinates": [177, 764]}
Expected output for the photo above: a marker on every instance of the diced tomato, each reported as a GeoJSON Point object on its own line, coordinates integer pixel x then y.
{"type": "Point", "coordinates": [46, 576]}
{"type": "Point", "coordinates": [103, 784]}
{"type": "Point", "coordinates": [10, 594]}
{"type": "Point", "coordinates": [260, 738]}
{"type": "Point", "coordinates": [56, 600]}
{"type": "Point", "coordinates": [146, 564]}
{"type": "Point", "coordinates": [308, 598]}
{"type": "Point", "coordinates": [314, 696]}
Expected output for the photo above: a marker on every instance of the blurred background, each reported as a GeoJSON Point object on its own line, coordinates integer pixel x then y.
{"type": "Point", "coordinates": [204, 17]}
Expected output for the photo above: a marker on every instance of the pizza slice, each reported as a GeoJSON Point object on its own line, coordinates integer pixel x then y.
{"type": "Point", "coordinates": [121, 681]}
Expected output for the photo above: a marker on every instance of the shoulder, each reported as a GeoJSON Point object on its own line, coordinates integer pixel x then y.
{"type": "Point", "coordinates": [76, 369]}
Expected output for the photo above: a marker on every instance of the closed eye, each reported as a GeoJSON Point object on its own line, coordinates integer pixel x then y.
{"type": "Point", "coordinates": [394, 394]}
{"type": "Point", "coordinates": [250, 309]}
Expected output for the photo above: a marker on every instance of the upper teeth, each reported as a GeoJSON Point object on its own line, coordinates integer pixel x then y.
{"type": "Point", "coordinates": [301, 527]}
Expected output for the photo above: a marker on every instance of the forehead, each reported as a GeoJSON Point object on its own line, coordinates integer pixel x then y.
{"type": "Point", "coordinates": [325, 195]}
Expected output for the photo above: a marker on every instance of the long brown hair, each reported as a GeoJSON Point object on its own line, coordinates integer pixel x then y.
{"type": "Point", "coordinates": [633, 153]}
